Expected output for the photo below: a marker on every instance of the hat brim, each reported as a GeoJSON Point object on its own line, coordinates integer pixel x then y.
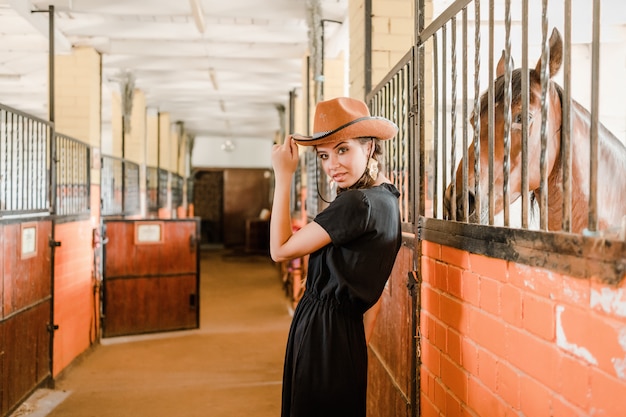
{"type": "Point", "coordinates": [367, 127]}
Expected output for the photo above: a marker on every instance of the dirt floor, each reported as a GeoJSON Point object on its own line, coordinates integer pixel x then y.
{"type": "Point", "coordinates": [231, 366]}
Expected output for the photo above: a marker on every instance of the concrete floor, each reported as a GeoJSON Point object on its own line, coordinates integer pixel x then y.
{"type": "Point", "coordinates": [231, 366]}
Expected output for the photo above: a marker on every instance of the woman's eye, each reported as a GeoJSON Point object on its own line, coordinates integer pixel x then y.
{"type": "Point", "coordinates": [342, 150]}
{"type": "Point", "coordinates": [322, 156]}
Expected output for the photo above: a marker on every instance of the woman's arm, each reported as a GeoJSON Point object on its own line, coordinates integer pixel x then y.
{"type": "Point", "coordinates": [284, 244]}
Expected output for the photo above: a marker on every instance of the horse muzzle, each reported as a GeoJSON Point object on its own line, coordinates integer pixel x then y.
{"type": "Point", "coordinates": [460, 206]}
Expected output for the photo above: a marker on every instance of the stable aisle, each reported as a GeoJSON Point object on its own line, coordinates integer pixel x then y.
{"type": "Point", "coordinates": [231, 366]}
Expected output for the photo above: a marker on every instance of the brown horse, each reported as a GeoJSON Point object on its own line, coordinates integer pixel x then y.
{"type": "Point", "coordinates": [611, 188]}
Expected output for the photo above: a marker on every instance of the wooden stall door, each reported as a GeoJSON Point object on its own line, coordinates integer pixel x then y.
{"type": "Point", "coordinates": [25, 310]}
{"type": "Point", "coordinates": [391, 365]}
{"type": "Point", "coordinates": [151, 276]}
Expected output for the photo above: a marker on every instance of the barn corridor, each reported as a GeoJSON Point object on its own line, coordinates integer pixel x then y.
{"type": "Point", "coordinates": [230, 366]}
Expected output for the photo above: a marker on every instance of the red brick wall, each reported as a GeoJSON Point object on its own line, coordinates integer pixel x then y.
{"type": "Point", "coordinates": [505, 339]}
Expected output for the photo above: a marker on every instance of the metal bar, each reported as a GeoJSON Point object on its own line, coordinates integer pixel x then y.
{"type": "Point", "coordinates": [566, 121]}
{"type": "Point", "coordinates": [545, 56]}
{"type": "Point", "coordinates": [435, 162]}
{"type": "Point", "coordinates": [444, 108]}
{"type": "Point", "coordinates": [453, 123]}
{"type": "Point", "coordinates": [524, 95]}
{"type": "Point", "coordinates": [441, 20]}
{"type": "Point", "coordinates": [506, 166]}
{"type": "Point", "coordinates": [367, 53]}
{"type": "Point", "coordinates": [491, 116]}
{"type": "Point", "coordinates": [465, 192]}
{"type": "Point", "coordinates": [593, 144]}
{"type": "Point", "coordinates": [477, 199]}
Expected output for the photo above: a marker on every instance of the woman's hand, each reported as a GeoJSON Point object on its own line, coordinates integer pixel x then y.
{"type": "Point", "coordinates": [285, 158]}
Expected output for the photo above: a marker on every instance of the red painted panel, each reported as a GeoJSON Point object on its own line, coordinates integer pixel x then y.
{"type": "Point", "coordinates": [26, 280]}
{"type": "Point", "coordinates": [150, 304]}
{"type": "Point", "coordinates": [150, 286]}
{"type": "Point", "coordinates": [178, 254]}
{"type": "Point", "coordinates": [24, 360]}
{"type": "Point", "coordinates": [75, 310]}
{"type": "Point", "coordinates": [390, 357]}
{"type": "Point", "coordinates": [24, 310]}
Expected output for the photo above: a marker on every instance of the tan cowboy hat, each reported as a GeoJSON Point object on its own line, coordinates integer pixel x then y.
{"type": "Point", "coordinates": [345, 118]}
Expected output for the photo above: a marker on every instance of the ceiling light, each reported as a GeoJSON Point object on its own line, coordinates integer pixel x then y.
{"type": "Point", "coordinates": [228, 146]}
{"type": "Point", "coordinates": [198, 14]}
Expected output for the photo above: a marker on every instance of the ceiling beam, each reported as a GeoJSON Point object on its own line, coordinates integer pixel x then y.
{"type": "Point", "coordinates": [198, 14]}
{"type": "Point", "coordinates": [25, 9]}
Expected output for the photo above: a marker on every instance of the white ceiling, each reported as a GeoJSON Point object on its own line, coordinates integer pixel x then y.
{"type": "Point", "coordinates": [224, 82]}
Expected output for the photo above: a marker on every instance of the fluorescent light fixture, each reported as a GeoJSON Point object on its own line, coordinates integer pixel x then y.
{"type": "Point", "coordinates": [198, 14]}
{"type": "Point", "coordinates": [10, 77]}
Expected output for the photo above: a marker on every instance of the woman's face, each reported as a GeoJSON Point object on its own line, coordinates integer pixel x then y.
{"type": "Point", "coordinates": [345, 161]}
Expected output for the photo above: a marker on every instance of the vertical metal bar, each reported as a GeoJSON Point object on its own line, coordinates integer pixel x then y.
{"type": "Point", "coordinates": [51, 183]}
{"type": "Point", "coordinates": [465, 192]}
{"type": "Point", "coordinates": [593, 144]}
{"type": "Point", "coordinates": [453, 123]}
{"type": "Point", "coordinates": [367, 53]}
{"type": "Point", "coordinates": [491, 115]}
{"type": "Point", "coordinates": [3, 160]}
{"type": "Point", "coordinates": [506, 166]}
{"type": "Point", "coordinates": [444, 108]}
{"type": "Point", "coordinates": [418, 166]}
{"type": "Point", "coordinates": [20, 164]}
{"type": "Point", "coordinates": [51, 133]}
{"type": "Point", "coordinates": [435, 161]}
{"type": "Point", "coordinates": [545, 56]}
{"type": "Point", "coordinates": [477, 199]}
{"type": "Point", "coordinates": [524, 95]}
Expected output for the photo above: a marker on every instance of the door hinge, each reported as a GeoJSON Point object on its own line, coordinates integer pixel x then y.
{"type": "Point", "coordinates": [54, 243]}
{"type": "Point", "coordinates": [412, 282]}
{"type": "Point", "coordinates": [52, 327]}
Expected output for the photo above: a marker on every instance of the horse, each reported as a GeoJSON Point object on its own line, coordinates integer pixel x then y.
{"type": "Point", "coordinates": [611, 187]}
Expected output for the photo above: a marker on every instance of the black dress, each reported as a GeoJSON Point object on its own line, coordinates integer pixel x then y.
{"type": "Point", "coordinates": [325, 371]}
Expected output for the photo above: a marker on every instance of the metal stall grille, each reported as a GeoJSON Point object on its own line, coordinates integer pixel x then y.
{"type": "Point", "coordinates": [72, 176]}
{"type": "Point", "coordinates": [152, 189]}
{"type": "Point", "coordinates": [393, 99]}
{"type": "Point", "coordinates": [120, 187]}
{"type": "Point", "coordinates": [24, 163]}
{"type": "Point", "coordinates": [496, 169]}
{"type": "Point", "coordinates": [177, 190]}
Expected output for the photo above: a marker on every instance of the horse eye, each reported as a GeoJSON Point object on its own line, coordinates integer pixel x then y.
{"type": "Point", "coordinates": [518, 118]}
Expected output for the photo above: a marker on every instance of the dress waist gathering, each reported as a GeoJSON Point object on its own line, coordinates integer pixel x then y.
{"type": "Point", "coordinates": [330, 303]}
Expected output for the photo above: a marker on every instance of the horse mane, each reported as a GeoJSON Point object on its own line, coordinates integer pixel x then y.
{"type": "Point", "coordinates": [498, 88]}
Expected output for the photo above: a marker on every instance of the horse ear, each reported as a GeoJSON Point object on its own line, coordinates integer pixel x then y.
{"type": "Point", "coordinates": [556, 54]}
{"type": "Point", "coordinates": [501, 66]}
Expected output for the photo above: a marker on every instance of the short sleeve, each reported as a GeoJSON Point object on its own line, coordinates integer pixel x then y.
{"type": "Point", "coordinates": [346, 218]}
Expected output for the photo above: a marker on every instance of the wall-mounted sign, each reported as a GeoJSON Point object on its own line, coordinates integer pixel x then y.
{"type": "Point", "coordinates": [29, 240]}
{"type": "Point", "coordinates": [151, 232]}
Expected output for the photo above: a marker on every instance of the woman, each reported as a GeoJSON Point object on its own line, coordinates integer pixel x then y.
{"type": "Point", "coordinates": [352, 244]}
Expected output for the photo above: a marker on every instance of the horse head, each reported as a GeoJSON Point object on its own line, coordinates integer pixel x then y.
{"type": "Point", "coordinates": [481, 214]}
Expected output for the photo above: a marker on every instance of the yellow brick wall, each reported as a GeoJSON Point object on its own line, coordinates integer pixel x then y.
{"type": "Point", "coordinates": [152, 138]}
{"type": "Point", "coordinates": [77, 96]}
{"type": "Point", "coordinates": [135, 140]}
{"type": "Point", "coordinates": [356, 15]}
{"type": "Point", "coordinates": [334, 77]}
{"type": "Point", "coordinates": [392, 34]}
{"type": "Point", "coordinates": [392, 37]}
{"type": "Point", "coordinates": [116, 124]}
{"type": "Point", "coordinates": [164, 147]}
